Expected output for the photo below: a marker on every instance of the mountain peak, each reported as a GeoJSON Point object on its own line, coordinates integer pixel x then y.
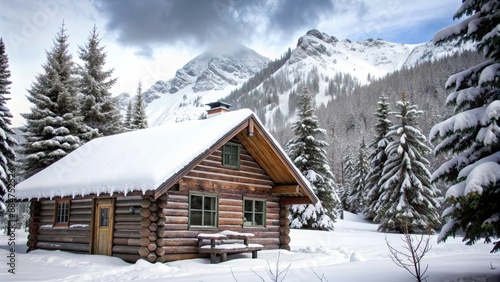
{"type": "Point", "coordinates": [226, 49]}
{"type": "Point", "coordinates": [221, 65]}
{"type": "Point", "coordinates": [319, 35]}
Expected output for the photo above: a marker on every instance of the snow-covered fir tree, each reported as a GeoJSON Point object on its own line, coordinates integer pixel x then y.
{"type": "Point", "coordinates": [54, 126]}
{"type": "Point", "coordinates": [346, 177]}
{"type": "Point", "coordinates": [408, 199]}
{"type": "Point", "coordinates": [7, 141]}
{"type": "Point", "coordinates": [98, 107]}
{"type": "Point", "coordinates": [472, 134]}
{"type": "Point", "coordinates": [377, 157]}
{"type": "Point", "coordinates": [139, 118]}
{"type": "Point", "coordinates": [309, 155]}
{"type": "Point", "coordinates": [127, 123]}
{"type": "Point", "coordinates": [356, 199]}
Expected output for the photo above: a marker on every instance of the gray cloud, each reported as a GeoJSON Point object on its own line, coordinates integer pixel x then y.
{"type": "Point", "coordinates": [146, 24]}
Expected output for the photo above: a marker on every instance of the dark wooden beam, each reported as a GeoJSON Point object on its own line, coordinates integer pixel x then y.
{"type": "Point", "coordinates": [295, 201]}
{"type": "Point", "coordinates": [285, 189]}
{"type": "Point", "coordinates": [250, 130]}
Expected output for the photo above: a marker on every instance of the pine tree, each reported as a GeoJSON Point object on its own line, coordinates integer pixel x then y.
{"type": "Point", "coordinates": [309, 155]}
{"type": "Point", "coordinates": [345, 185]}
{"type": "Point", "coordinates": [139, 118]}
{"type": "Point", "coordinates": [377, 157]}
{"type": "Point", "coordinates": [98, 107]}
{"type": "Point", "coordinates": [356, 199]}
{"type": "Point", "coordinates": [408, 199]}
{"type": "Point", "coordinates": [54, 126]}
{"type": "Point", "coordinates": [472, 135]}
{"type": "Point", "coordinates": [7, 141]}
{"type": "Point", "coordinates": [128, 116]}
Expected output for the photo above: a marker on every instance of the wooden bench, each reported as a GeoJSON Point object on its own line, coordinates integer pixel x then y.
{"type": "Point", "coordinates": [224, 243]}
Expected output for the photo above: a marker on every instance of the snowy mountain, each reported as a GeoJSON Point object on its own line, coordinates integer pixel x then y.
{"type": "Point", "coordinates": [206, 78]}
{"type": "Point", "coordinates": [317, 56]}
{"type": "Point", "coordinates": [372, 58]}
{"type": "Point", "coordinates": [331, 67]}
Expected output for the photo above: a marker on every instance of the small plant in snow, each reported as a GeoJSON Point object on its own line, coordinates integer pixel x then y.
{"type": "Point", "coordinates": [321, 278]}
{"type": "Point", "coordinates": [416, 249]}
{"type": "Point", "coordinates": [275, 275]}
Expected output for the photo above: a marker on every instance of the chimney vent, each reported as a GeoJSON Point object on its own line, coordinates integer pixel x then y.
{"type": "Point", "coordinates": [217, 108]}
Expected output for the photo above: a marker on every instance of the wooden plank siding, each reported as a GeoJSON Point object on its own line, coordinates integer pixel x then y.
{"type": "Point", "coordinates": [75, 237]}
{"type": "Point", "coordinates": [231, 185]}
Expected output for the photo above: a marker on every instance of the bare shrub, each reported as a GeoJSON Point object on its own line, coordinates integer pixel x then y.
{"type": "Point", "coordinates": [416, 248]}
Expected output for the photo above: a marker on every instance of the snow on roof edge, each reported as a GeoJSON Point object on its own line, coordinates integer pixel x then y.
{"type": "Point", "coordinates": [46, 184]}
{"type": "Point", "coordinates": [50, 189]}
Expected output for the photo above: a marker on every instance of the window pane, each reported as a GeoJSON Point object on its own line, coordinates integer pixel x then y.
{"type": "Point", "coordinates": [62, 212]}
{"type": "Point", "coordinates": [234, 150]}
{"type": "Point", "coordinates": [209, 219]}
{"type": "Point", "coordinates": [196, 202]}
{"type": "Point", "coordinates": [103, 217]}
{"type": "Point", "coordinates": [209, 203]}
{"type": "Point", "coordinates": [259, 219]}
{"type": "Point", "coordinates": [203, 210]}
{"type": "Point", "coordinates": [196, 217]}
{"type": "Point", "coordinates": [231, 155]}
{"type": "Point", "coordinates": [259, 206]}
{"type": "Point", "coordinates": [254, 213]}
{"type": "Point", "coordinates": [233, 160]}
{"type": "Point", "coordinates": [248, 217]}
{"type": "Point", "coordinates": [248, 205]}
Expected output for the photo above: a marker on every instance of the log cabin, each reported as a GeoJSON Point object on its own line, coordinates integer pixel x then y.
{"type": "Point", "coordinates": [149, 193]}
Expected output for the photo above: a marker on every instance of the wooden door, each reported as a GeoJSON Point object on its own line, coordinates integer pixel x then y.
{"type": "Point", "coordinates": [103, 227]}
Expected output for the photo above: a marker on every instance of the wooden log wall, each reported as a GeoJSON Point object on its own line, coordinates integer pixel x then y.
{"type": "Point", "coordinates": [231, 186]}
{"type": "Point", "coordinates": [126, 234]}
{"type": "Point", "coordinates": [75, 237]}
{"type": "Point", "coordinates": [34, 224]}
{"type": "Point", "coordinates": [151, 226]}
{"type": "Point", "coordinates": [285, 227]}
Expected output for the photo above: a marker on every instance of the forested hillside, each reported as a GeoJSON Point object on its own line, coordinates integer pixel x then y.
{"type": "Point", "coordinates": [345, 107]}
{"type": "Point", "coordinates": [350, 117]}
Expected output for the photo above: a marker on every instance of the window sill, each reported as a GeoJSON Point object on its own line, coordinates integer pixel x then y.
{"type": "Point", "coordinates": [196, 227]}
{"type": "Point", "coordinates": [254, 226]}
{"type": "Point", "coordinates": [231, 167]}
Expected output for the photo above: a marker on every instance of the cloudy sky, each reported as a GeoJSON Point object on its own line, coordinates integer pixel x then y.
{"type": "Point", "coordinates": [150, 40]}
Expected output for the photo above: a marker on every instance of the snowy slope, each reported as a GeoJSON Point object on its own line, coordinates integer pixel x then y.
{"type": "Point", "coordinates": [353, 252]}
{"type": "Point", "coordinates": [206, 78]}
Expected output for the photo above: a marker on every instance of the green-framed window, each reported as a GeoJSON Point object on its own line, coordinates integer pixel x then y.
{"type": "Point", "coordinates": [254, 212]}
{"type": "Point", "coordinates": [231, 155]}
{"type": "Point", "coordinates": [62, 213]}
{"type": "Point", "coordinates": [203, 210]}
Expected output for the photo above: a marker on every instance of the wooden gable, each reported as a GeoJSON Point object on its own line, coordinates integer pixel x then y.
{"type": "Point", "coordinates": [250, 176]}
{"type": "Point", "coordinates": [287, 182]}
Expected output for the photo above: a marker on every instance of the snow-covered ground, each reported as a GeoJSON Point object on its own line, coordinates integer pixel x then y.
{"type": "Point", "coordinates": [353, 252]}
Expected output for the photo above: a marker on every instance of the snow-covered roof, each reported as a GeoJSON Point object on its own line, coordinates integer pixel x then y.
{"type": "Point", "coordinates": [137, 161]}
